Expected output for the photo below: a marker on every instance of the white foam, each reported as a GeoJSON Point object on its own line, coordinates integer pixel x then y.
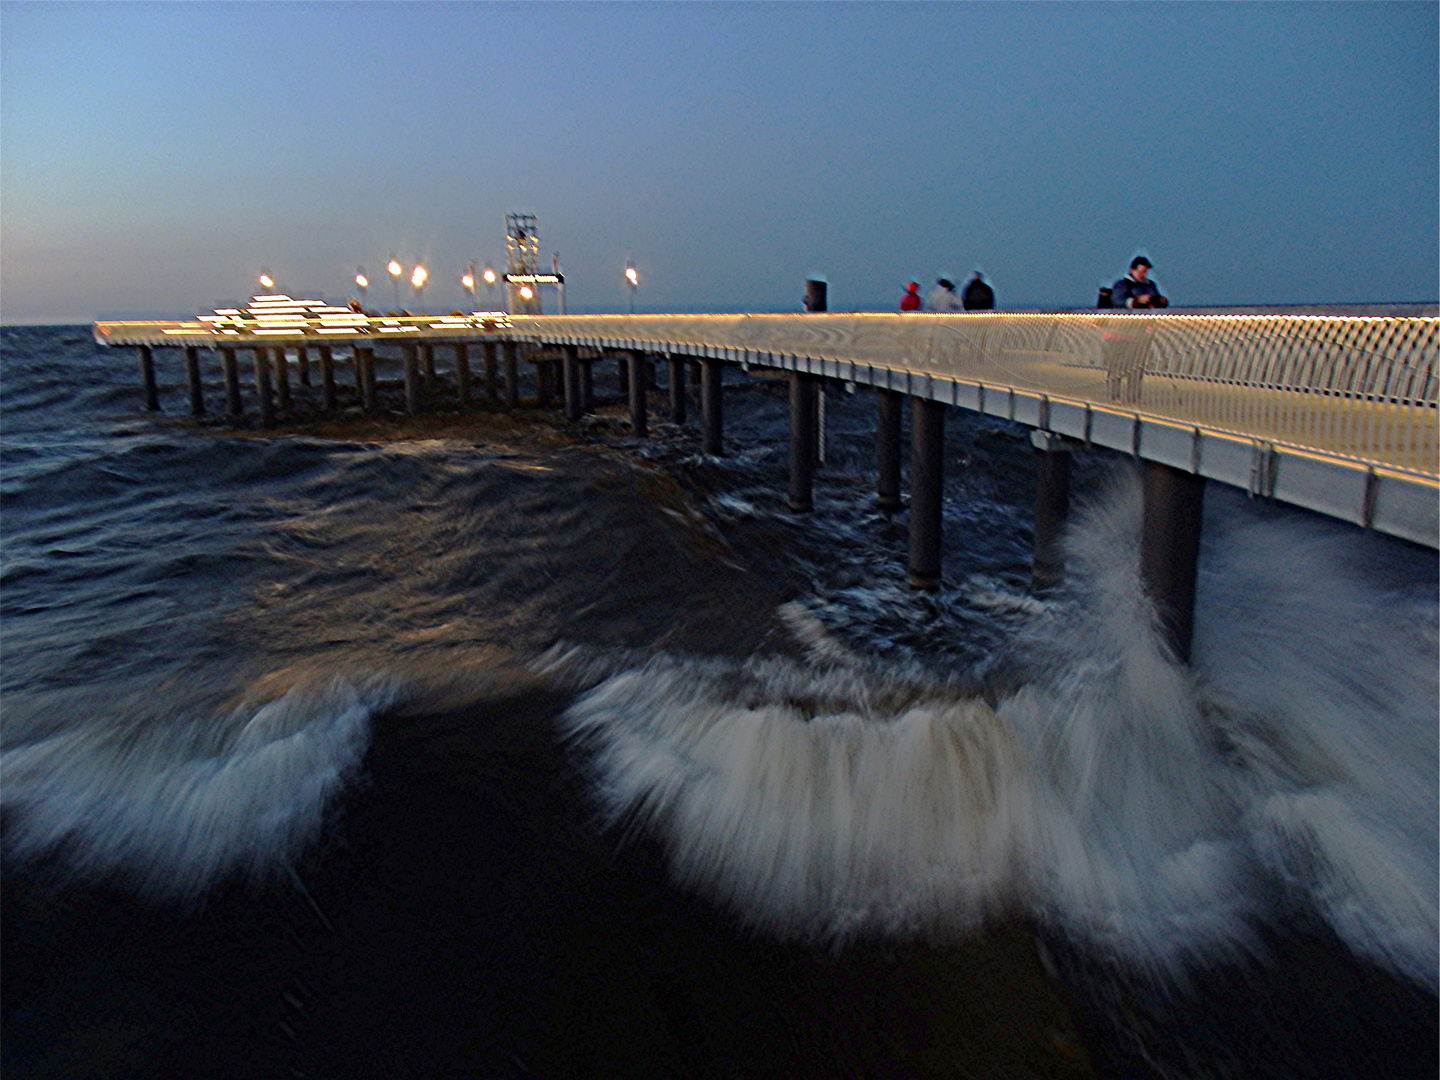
{"type": "Point", "coordinates": [1157, 811]}
{"type": "Point", "coordinates": [174, 821]}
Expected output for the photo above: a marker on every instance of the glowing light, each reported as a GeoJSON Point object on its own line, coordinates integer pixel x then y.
{"type": "Point", "coordinates": [467, 279]}
{"type": "Point", "coordinates": [633, 275]}
{"type": "Point", "coordinates": [418, 276]}
{"type": "Point", "coordinates": [362, 281]}
{"type": "Point", "coordinates": [395, 268]}
{"type": "Point", "coordinates": [526, 293]}
{"type": "Point", "coordinates": [489, 276]}
{"type": "Point", "coordinates": [266, 281]}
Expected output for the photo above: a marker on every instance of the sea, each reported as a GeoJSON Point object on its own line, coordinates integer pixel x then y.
{"type": "Point", "coordinates": [483, 743]}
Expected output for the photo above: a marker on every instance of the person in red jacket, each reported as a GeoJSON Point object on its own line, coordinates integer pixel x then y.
{"type": "Point", "coordinates": [911, 300]}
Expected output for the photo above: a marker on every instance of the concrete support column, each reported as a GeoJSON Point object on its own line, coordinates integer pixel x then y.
{"type": "Point", "coordinates": [587, 386]}
{"type": "Point", "coordinates": [1170, 550]}
{"type": "Point", "coordinates": [192, 381]}
{"type": "Point", "coordinates": [282, 378]}
{"type": "Point", "coordinates": [234, 404]}
{"type": "Point", "coordinates": [302, 362]}
{"type": "Point", "coordinates": [573, 404]}
{"type": "Point", "coordinates": [677, 390]}
{"type": "Point", "coordinates": [492, 373]}
{"type": "Point", "coordinates": [622, 374]}
{"type": "Point", "coordinates": [544, 391]}
{"type": "Point", "coordinates": [638, 388]}
{"type": "Point", "coordinates": [427, 360]}
{"type": "Point", "coordinates": [462, 372]}
{"type": "Point", "coordinates": [327, 376]}
{"type": "Point", "coordinates": [887, 449]}
{"type": "Point", "coordinates": [410, 354]}
{"type": "Point", "coordinates": [262, 386]}
{"type": "Point", "coordinates": [695, 375]}
{"type": "Point", "coordinates": [927, 489]}
{"type": "Point", "coordinates": [1052, 506]}
{"type": "Point", "coordinates": [365, 377]}
{"type": "Point", "coordinates": [512, 374]}
{"type": "Point", "coordinates": [147, 375]}
{"type": "Point", "coordinates": [802, 441]}
{"type": "Point", "coordinates": [712, 407]}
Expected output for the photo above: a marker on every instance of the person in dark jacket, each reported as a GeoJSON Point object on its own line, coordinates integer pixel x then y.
{"type": "Point", "coordinates": [1136, 290]}
{"type": "Point", "coordinates": [911, 300]}
{"type": "Point", "coordinates": [978, 296]}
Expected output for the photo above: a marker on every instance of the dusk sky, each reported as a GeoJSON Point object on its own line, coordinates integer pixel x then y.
{"type": "Point", "coordinates": [153, 157]}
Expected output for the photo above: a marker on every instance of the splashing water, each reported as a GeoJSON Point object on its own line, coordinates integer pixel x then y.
{"type": "Point", "coordinates": [1158, 812]}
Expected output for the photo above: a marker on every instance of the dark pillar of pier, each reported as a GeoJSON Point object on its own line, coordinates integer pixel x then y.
{"type": "Point", "coordinates": [462, 372]}
{"type": "Point", "coordinates": [302, 363]}
{"type": "Point", "coordinates": [587, 386]}
{"type": "Point", "coordinates": [927, 487]}
{"type": "Point", "coordinates": [1052, 506]}
{"type": "Point", "coordinates": [234, 405]}
{"type": "Point", "coordinates": [427, 359]}
{"type": "Point", "coordinates": [365, 376]}
{"type": "Point", "coordinates": [192, 381]}
{"type": "Point", "coordinates": [262, 387]}
{"type": "Point", "coordinates": [512, 374]}
{"type": "Point", "coordinates": [712, 407]}
{"type": "Point", "coordinates": [147, 374]}
{"type": "Point", "coordinates": [410, 355]}
{"type": "Point", "coordinates": [282, 378]}
{"type": "Point", "coordinates": [1170, 550]}
{"type": "Point", "coordinates": [573, 406]}
{"type": "Point", "coordinates": [802, 441]}
{"type": "Point", "coordinates": [677, 390]}
{"type": "Point", "coordinates": [327, 376]}
{"type": "Point", "coordinates": [695, 376]}
{"type": "Point", "coordinates": [492, 373]}
{"type": "Point", "coordinates": [622, 374]}
{"type": "Point", "coordinates": [543, 388]}
{"type": "Point", "coordinates": [638, 387]}
{"type": "Point", "coordinates": [887, 448]}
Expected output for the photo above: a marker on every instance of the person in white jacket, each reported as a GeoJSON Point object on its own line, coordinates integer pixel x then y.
{"type": "Point", "coordinates": [942, 297]}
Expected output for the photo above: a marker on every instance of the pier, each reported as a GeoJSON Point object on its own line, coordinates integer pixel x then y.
{"type": "Point", "coordinates": [1330, 409]}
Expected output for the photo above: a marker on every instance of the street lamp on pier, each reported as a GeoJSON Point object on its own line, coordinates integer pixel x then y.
{"type": "Point", "coordinates": [489, 277]}
{"type": "Point", "coordinates": [417, 282]}
{"type": "Point", "coordinates": [361, 284]}
{"type": "Point", "coordinates": [395, 269]}
{"type": "Point", "coordinates": [266, 281]}
{"type": "Point", "coordinates": [633, 277]}
{"type": "Point", "coordinates": [467, 282]}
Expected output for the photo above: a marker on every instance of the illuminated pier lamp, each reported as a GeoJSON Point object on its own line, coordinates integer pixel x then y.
{"type": "Point", "coordinates": [633, 277]}
{"type": "Point", "coordinates": [467, 282]}
{"type": "Point", "coordinates": [266, 281]}
{"type": "Point", "coordinates": [417, 282]}
{"type": "Point", "coordinates": [489, 278]}
{"type": "Point", "coordinates": [361, 284]}
{"type": "Point", "coordinates": [395, 270]}
{"type": "Point", "coordinates": [527, 293]}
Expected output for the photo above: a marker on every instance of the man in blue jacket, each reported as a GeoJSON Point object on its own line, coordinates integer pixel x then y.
{"type": "Point", "coordinates": [1136, 290]}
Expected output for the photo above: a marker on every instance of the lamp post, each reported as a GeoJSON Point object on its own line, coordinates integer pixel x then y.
{"type": "Point", "coordinates": [266, 281]}
{"type": "Point", "coordinates": [395, 269]}
{"type": "Point", "coordinates": [417, 282]}
{"type": "Point", "coordinates": [633, 277]}
{"type": "Point", "coordinates": [467, 282]}
{"type": "Point", "coordinates": [361, 284]}
{"type": "Point", "coordinates": [489, 277]}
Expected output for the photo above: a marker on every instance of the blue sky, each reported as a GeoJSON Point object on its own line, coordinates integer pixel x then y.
{"type": "Point", "coordinates": [154, 156]}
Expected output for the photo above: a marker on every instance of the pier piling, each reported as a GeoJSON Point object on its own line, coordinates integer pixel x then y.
{"type": "Point", "coordinates": [712, 407]}
{"type": "Point", "coordinates": [327, 376]}
{"type": "Point", "coordinates": [427, 360]}
{"type": "Point", "coordinates": [1170, 550]}
{"type": "Point", "coordinates": [573, 404]}
{"type": "Point", "coordinates": [638, 412]}
{"type": "Point", "coordinates": [365, 377]}
{"type": "Point", "coordinates": [230, 370]}
{"type": "Point", "coordinates": [587, 385]}
{"type": "Point", "coordinates": [1052, 506]}
{"type": "Point", "coordinates": [512, 373]}
{"type": "Point", "coordinates": [282, 379]}
{"type": "Point", "coordinates": [302, 364]}
{"type": "Point", "coordinates": [192, 381]}
{"type": "Point", "coordinates": [147, 374]}
{"type": "Point", "coordinates": [887, 449]}
{"type": "Point", "coordinates": [677, 390]}
{"type": "Point", "coordinates": [262, 386]}
{"type": "Point", "coordinates": [492, 373]}
{"type": "Point", "coordinates": [802, 441]}
{"type": "Point", "coordinates": [462, 373]}
{"type": "Point", "coordinates": [927, 491]}
{"type": "Point", "coordinates": [411, 359]}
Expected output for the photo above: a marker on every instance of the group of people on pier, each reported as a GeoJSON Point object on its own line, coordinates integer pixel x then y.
{"type": "Point", "coordinates": [1134, 290]}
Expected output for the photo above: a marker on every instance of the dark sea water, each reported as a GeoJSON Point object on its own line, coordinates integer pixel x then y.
{"type": "Point", "coordinates": [484, 744]}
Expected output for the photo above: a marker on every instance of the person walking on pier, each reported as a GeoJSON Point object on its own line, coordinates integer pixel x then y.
{"type": "Point", "coordinates": [942, 297]}
{"type": "Point", "coordinates": [911, 300]}
{"type": "Point", "coordinates": [1136, 290]}
{"type": "Point", "coordinates": [978, 295]}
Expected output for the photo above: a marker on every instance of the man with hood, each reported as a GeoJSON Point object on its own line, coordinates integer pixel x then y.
{"type": "Point", "coordinates": [911, 300]}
